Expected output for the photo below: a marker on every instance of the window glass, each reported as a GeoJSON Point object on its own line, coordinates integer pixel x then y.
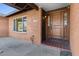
{"type": "Point", "coordinates": [19, 24]}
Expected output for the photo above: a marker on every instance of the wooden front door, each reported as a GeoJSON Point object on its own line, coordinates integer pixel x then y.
{"type": "Point", "coordinates": [58, 24]}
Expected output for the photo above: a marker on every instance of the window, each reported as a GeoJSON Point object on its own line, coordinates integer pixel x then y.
{"type": "Point", "coordinates": [20, 24]}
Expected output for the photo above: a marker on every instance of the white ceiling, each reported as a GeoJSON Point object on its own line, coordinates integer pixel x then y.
{"type": "Point", "coordinates": [51, 6]}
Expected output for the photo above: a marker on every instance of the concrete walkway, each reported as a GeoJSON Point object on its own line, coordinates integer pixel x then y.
{"type": "Point", "coordinates": [15, 47]}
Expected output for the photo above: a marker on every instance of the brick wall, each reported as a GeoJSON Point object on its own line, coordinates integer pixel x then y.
{"type": "Point", "coordinates": [33, 26]}
{"type": "Point", "coordinates": [3, 27]}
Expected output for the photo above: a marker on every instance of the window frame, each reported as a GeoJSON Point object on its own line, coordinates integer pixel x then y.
{"type": "Point", "coordinates": [15, 26]}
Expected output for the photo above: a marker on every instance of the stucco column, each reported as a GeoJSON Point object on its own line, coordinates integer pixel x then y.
{"type": "Point", "coordinates": [74, 29]}
{"type": "Point", "coordinates": [38, 27]}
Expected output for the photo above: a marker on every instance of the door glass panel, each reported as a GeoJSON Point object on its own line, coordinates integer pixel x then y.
{"type": "Point", "coordinates": [65, 19]}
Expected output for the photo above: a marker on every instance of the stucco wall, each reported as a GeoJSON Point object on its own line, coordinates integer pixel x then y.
{"type": "Point", "coordinates": [74, 28]}
{"type": "Point", "coordinates": [33, 26]}
{"type": "Point", "coordinates": [3, 27]}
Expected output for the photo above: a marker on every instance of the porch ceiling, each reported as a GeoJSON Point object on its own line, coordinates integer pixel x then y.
{"type": "Point", "coordinates": [51, 6]}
